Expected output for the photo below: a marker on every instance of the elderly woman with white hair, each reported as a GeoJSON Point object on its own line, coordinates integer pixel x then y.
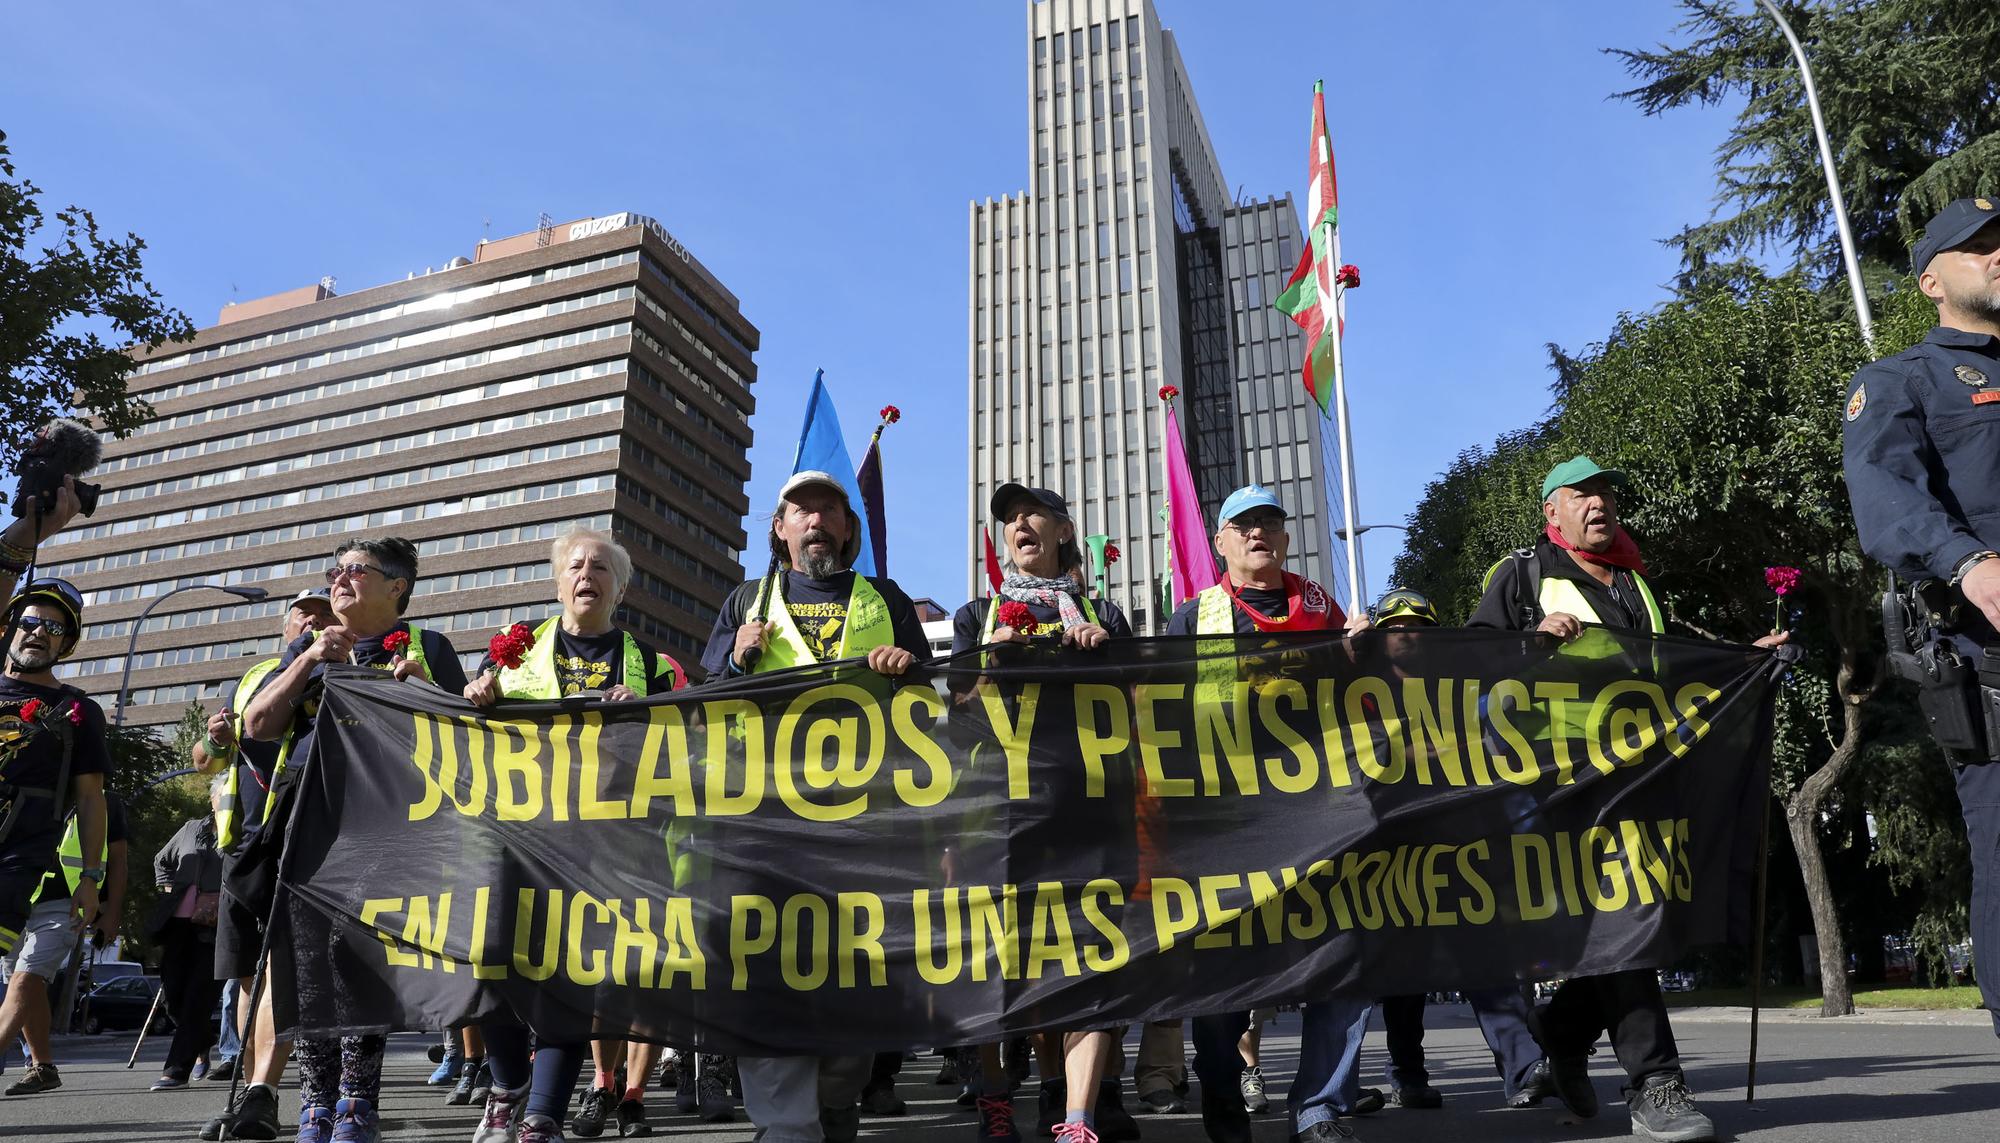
{"type": "Point", "coordinates": [581, 651]}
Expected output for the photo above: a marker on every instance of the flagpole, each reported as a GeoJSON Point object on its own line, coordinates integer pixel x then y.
{"type": "Point", "coordinates": [1357, 591]}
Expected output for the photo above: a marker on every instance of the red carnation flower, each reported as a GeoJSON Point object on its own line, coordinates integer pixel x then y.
{"type": "Point", "coordinates": [1111, 554]}
{"type": "Point", "coordinates": [1015, 614]}
{"type": "Point", "coordinates": [1349, 277]}
{"type": "Point", "coordinates": [891, 414]}
{"type": "Point", "coordinates": [76, 714]}
{"type": "Point", "coordinates": [30, 709]}
{"type": "Point", "coordinates": [1782, 580]}
{"type": "Point", "coordinates": [395, 641]}
{"type": "Point", "coordinates": [508, 648]}
{"type": "Point", "coordinates": [1168, 392]}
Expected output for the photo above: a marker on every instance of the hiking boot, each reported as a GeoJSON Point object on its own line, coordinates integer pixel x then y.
{"type": "Point", "coordinates": [1571, 1077]}
{"type": "Point", "coordinates": [254, 1117]}
{"type": "Point", "coordinates": [1416, 1095]}
{"type": "Point", "coordinates": [1114, 1123]}
{"type": "Point", "coordinates": [482, 1082]}
{"type": "Point", "coordinates": [711, 1087]}
{"type": "Point", "coordinates": [1252, 1085]}
{"type": "Point", "coordinates": [1049, 1106]}
{"type": "Point", "coordinates": [589, 1121]}
{"type": "Point", "coordinates": [315, 1125]}
{"type": "Point", "coordinates": [840, 1124]}
{"type": "Point", "coordinates": [1540, 1084]}
{"type": "Point", "coordinates": [354, 1121]}
{"type": "Point", "coordinates": [996, 1119]}
{"type": "Point", "coordinates": [1225, 1119]}
{"type": "Point", "coordinates": [540, 1129]}
{"type": "Point", "coordinates": [36, 1080]}
{"type": "Point", "coordinates": [1368, 1102]}
{"type": "Point", "coordinates": [1326, 1131]}
{"type": "Point", "coordinates": [468, 1079]}
{"type": "Point", "coordinates": [1662, 1109]}
{"type": "Point", "coordinates": [632, 1119]}
{"type": "Point", "coordinates": [1163, 1102]}
{"type": "Point", "coordinates": [883, 1100]}
{"type": "Point", "coordinates": [450, 1062]}
{"type": "Point", "coordinates": [501, 1121]}
{"type": "Point", "coordinates": [685, 1068]}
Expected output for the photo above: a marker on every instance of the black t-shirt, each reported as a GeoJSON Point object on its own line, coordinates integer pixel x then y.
{"type": "Point", "coordinates": [439, 657]}
{"type": "Point", "coordinates": [1618, 606]}
{"type": "Point", "coordinates": [597, 662]}
{"type": "Point", "coordinates": [31, 756]}
{"type": "Point", "coordinates": [818, 608]}
{"type": "Point", "coordinates": [968, 626]}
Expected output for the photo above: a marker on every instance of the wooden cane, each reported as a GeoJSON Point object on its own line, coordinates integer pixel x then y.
{"type": "Point", "coordinates": [159, 997]}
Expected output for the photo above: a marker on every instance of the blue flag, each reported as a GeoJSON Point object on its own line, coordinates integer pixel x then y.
{"type": "Point", "coordinates": [823, 449]}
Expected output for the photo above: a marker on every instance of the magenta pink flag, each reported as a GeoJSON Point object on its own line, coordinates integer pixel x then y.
{"type": "Point", "coordinates": [1193, 560]}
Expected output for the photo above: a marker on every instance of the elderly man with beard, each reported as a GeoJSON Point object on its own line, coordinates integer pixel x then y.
{"type": "Point", "coordinates": [340, 1080]}
{"type": "Point", "coordinates": [1922, 458]}
{"type": "Point", "coordinates": [811, 609]}
{"type": "Point", "coordinates": [1047, 580]}
{"type": "Point", "coordinates": [1258, 596]}
{"type": "Point", "coordinates": [1586, 569]}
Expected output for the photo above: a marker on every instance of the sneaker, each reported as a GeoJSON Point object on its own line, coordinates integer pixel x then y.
{"type": "Point", "coordinates": [450, 1062]}
{"type": "Point", "coordinates": [540, 1129]}
{"type": "Point", "coordinates": [315, 1125]}
{"type": "Point", "coordinates": [36, 1080]}
{"type": "Point", "coordinates": [1049, 1106]}
{"type": "Point", "coordinates": [1570, 1076]}
{"type": "Point", "coordinates": [226, 1070]}
{"type": "Point", "coordinates": [948, 1071]}
{"type": "Point", "coordinates": [1662, 1109]}
{"type": "Point", "coordinates": [170, 1080]}
{"type": "Point", "coordinates": [883, 1100]}
{"type": "Point", "coordinates": [1417, 1095]}
{"type": "Point", "coordinates": [670, 1069]}
{"type": "Point", "coordinates": [712, 1098]}
{"type": "Point", "coordinates": [996, 1119]}
{"type": "Point", "coordinates": [255, 1117]}
{"type": "Point", "coordinates": [1114, 1123]}
{"type": "Point", "coordinates": [1074, 1133]}
{"type": "Point", "coordinates": [1539, 1085]}
{"type": "Point", "coordinates": [685, 1082]}
{"type": "Point", "coordinates": [468, 1079]}
{"type": "Point", "coordinates": [589, 1122]}
{"type": "Point", "coordinates": [840, 1124]}
{"type": "Point", "coordinates": [1325, 1131]}
{"type": "Point", "coordinates": [501, 1121]}
{"type": "Point", "coordinates": [1226, 1120]}
{"type": "Point", "coordinates": [1368, 1102]}
{"type": "Point", "coordinates": [632, 1119]}
{"type": "Point", "coordinates": [354, 1121]}
{"type": "Point", "coordinates": [1163, 1102]}
{"type": "Point", "coordinates": [482, 1082]}
{"type": "Point", "coordinates": [1254, 1099]}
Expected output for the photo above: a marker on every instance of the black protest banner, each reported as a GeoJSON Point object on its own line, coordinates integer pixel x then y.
{"type": "Point", "coordinates": [1028, 838]}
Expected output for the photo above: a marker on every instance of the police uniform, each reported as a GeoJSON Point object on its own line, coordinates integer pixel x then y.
{"type": "Point", "coordinates": [1922, 458]}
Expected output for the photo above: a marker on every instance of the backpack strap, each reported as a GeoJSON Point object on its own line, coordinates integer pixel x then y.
{"type": "Point", "coordinates": [1527, 587]}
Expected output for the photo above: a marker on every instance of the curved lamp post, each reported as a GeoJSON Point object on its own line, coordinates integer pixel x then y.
{"type": "Point", "coordinates": [252, 594]}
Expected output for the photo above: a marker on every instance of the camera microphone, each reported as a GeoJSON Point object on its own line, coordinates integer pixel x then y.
{"type": "Point", "coordinates": [64, 447]}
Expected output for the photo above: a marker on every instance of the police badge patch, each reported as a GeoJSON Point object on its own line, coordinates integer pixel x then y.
{"type": "Point", "coordinates": [1969, 375]}
{"type": "Point", "coordinates": [1857, 402]}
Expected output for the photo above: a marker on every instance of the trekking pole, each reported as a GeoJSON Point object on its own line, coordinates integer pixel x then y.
{"type": "Point", "coordinates": [159, 997]}
{"type": "Point", "coordinates": [1757, 954]}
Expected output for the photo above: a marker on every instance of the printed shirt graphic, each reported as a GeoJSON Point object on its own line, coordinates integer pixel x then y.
{"type": "Point", "coordinates": [28, 755]}
{"type": "Point", "coordinates": [821, 625]}
{"type": "Point", "coordinates": [589, 663]}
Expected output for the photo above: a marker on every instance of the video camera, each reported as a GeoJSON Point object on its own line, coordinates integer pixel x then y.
{"type": "Point", "coordinates": [63, 448]}
{"type": "Point", "coordinates": [1960, 699]}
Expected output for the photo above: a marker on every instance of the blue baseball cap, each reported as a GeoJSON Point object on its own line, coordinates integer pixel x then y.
{"type": "Point", "coordinates": [1244, 499]}
{"type": "Point", "coordinates": [1958, 221]}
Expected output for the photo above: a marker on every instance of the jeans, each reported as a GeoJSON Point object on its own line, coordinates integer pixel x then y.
{"type": "Point", "coordinates": [783, 1094]}
{"type": "Point", "coordinates": [1503, 1020]}
{"type": "Point", "coordinates": [1979, 801]}
{"type": "Point", "coordinates": [1329, 1076]}
{"type": "Point", "coordinates": [228, 1044]}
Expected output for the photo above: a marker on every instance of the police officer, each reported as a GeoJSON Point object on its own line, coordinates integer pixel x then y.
{"type": "Point", "coordinates": [1923, 469]}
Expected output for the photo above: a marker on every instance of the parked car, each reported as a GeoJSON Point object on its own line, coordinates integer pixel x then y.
{"type": "Point", "coordinates": [121, 1005]}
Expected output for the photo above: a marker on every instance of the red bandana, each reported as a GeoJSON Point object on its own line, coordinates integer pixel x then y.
{"type": "Point", "coordinates": [1623, 552]}
{"type": "Point", "coordinates": [1307, 607]}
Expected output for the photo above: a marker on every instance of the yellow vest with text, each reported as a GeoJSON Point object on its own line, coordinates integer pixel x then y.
{"type": "Point", "coordinates": [70, 854]}
{"type": "Point", "coordinates": [229, 808]}
{"type": "Point", "coordinates": [535, 678]}
{"type": "Point", "coordinates": [866, 627]}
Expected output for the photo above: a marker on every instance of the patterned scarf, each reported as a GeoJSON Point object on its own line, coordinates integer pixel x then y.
{"type": "Point", "coordinates": [1060, 593]}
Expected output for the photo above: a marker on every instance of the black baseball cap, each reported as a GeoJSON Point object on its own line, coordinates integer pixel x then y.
{"type": "Point", "coordinates": [1008, 492]}
{"type": "Point", "coordinates": [1958, 221]}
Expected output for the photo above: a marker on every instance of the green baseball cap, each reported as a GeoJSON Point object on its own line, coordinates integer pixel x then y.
{"type": "Point", "coordinates": [1575, 471]}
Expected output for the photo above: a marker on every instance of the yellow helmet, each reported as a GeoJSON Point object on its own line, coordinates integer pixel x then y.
{"type": "Point", "coordinates": [1407, 605]}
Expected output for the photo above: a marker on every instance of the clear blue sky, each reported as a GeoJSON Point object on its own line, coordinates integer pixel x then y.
{"type": "Point", "coordinates": [820, 158]}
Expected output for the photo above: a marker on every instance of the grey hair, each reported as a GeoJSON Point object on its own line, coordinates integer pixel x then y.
{"type": "Point", "coordinates": [620, 559]}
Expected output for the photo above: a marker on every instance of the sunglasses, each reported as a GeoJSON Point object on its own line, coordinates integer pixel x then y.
{"type": "Point", "coordinates": [354, 571]}
{"type": "Point", "coordinates": [1244, 525]}
{"type": "Point", "coordinates": [55, 628]}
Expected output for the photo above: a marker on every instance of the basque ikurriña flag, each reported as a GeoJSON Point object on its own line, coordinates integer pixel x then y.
{"type": "Point", "coordinates": [1313, 296]}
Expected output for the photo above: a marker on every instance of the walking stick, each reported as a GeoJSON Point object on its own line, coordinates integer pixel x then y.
{"type": "Point", "coordinates": [1757, 953]}
{"type": "Point", "coordinates": [159, 997]}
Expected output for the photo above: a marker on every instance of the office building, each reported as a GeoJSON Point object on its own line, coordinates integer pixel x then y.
{"type": "Point", "coordinates": [590, 372]}
{"type": "Point", "coordinates": [1124, 267]}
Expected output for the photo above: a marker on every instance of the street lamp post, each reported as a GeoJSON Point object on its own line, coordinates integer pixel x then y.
{"type": "Point", "coordinates": [1349, 534]}
{"type": "Point", "coordinates": [1861, 310]}
{"type": "Point", "coordinates": [251, 594]}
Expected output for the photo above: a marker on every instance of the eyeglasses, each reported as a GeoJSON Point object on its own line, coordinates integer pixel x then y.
{"type": "Point", "coordinates": [55, 628]}
{"type": "Point", "coordinates": [354, 571]}
{"type": "Point", "coordinates": [1268, 523]}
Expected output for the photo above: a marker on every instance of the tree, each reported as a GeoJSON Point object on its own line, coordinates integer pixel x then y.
{"type": "Point", "coordinates": [53, 307]}
{"type": "Point", "coordinates": [1910, 90]}
{"type": "Point", "coordinates": [155, 806]}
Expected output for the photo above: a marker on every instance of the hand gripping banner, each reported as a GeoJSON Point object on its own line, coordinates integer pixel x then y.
{"type": "Point", "coordinates": [823, 859]}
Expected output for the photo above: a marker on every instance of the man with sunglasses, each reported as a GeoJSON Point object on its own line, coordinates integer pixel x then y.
{"type": "Point", "coordinates": [370, 584]}
{"type": "Point", "coordinates": [53, 756]}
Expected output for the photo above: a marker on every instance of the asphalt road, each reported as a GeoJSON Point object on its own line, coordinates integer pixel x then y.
{"type": "Point", "coordinates": [1899, 1076]}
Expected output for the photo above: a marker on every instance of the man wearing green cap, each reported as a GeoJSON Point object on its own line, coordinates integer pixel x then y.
{"type": "Point", "coordinates": [1922, 454]}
